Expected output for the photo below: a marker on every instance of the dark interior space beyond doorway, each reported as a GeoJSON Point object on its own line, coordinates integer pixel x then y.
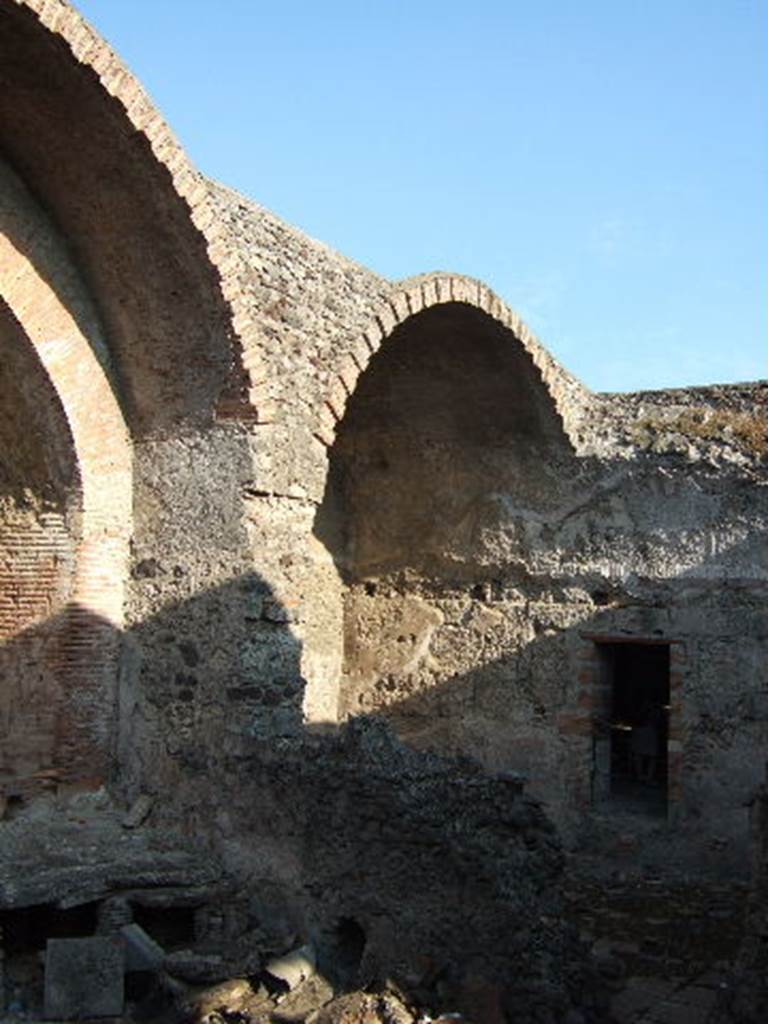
{"type": "Point", "coordinates": [637, 675]}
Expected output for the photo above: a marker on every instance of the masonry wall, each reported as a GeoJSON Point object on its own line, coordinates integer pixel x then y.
{"type": "Point", "coordinates": [65, 482]}
{"type": "Point", "coordinates": [39, 505]}
{"type": "Point", "coordinates": [352, 497]}
{"type": "Point", "coordinates": [484, 562]}
{"type": "Point", "coordinates": [450, 563]}
{"type": "Point", "coordinates": [505, 667]}
{"type": "Point", "coordinates": [446, 562]}
{"type": "Point", "coordinates": [171, 622]}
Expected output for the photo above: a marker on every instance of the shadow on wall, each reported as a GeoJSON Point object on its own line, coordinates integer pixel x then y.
{"type": "Point", "coordinates": [478, 556]}
{"type": "Point", "coordinates": [449, 411]}
{"type": "Point", "coordinates": [428, 856]}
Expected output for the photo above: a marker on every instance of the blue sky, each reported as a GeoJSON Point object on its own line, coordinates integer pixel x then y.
{"type": "Point", "coordinates": [602, 164]}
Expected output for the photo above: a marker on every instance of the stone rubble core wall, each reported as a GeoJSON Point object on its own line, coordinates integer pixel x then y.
{"type": "Point", "coordinates": [485, 563]}
{"type": "Point", "coordinates": [291, 494]}
{"type": "Point", "coordinates": [439, 863]}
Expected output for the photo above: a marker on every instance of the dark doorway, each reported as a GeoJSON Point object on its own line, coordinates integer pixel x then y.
{"type": "Point", "coordinates": [631, 747]}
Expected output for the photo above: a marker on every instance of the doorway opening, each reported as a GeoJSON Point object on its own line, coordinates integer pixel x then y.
{"type": "Point", "coordinates": [630, 744]}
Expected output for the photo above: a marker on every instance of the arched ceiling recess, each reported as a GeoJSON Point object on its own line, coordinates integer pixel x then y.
{"type": "Point", "coordinates": [42, 294]}
{"type": "Point", "coordinates": [87, 141]}
{"type": "Point", "coordinates": [65, 514]}
{"type": "Point", "coordinates": [568, 397]}
{"type": "Point", "coordinates": [38, 462]}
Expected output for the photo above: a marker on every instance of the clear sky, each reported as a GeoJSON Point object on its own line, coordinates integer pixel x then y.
{"type": "Point", "coordinates": [602, 164]}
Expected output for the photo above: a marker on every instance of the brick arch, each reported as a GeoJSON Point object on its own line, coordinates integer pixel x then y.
{"type": "Point", "coordinates": [159, 202]}
{"type": "Point", "coordinates": [568, 396]}
{"type": "Point", "coordinates": [42, 295]}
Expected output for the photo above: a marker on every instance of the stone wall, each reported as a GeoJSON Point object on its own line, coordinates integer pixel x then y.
{"type": "Point", "coordinates": [499, 657]}
{"type": "Point", "coordinates": [65, 496]}
{"type": "Point", "coordinates": [455, 560]}
{"type": "Point", "coordinates": [254, 496]}
{"type": "Point", "coordinates": [446, 871]}
{"type": "Point", "coordinates": [484, 562]}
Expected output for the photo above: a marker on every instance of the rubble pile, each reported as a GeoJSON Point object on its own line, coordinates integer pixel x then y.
{"type": "Point", "coordinates": [429, 889]}
{"type": "Point", "coordinates": [425, 870]}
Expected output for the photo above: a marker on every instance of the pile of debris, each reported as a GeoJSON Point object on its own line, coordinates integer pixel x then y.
{"type": "Point", "coordinates": [428, 890]}
{"type": "Point", "coordinates": [124, 973]}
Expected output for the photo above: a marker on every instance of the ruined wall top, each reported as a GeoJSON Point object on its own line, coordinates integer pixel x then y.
{"type": "Point", "coordinates": [720, 425]}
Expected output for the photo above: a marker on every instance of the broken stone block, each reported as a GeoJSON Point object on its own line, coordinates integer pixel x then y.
{"type": "Point", "coordinates": [310, 996]}
{"type": "Point", "coordinates": [366, 1008]}
{"type": "Point", "coordinates": [196, 968]}
{"type": "Point", "coordinates": [142, 953]}
{"type": "Point", "coordinates": [237, 996]}
{"type": "Point", "coordinates": [138, 812]}
{"type": "Point", "coordinates": [294, 967]}
{"type": "Point", "coordinates": [84, 978]}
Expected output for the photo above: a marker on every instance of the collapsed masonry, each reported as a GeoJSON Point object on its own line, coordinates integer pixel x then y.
{"type": "Point", "coordinates": [250, 492]}
{"type": "Point", "coordinates": [414, 868]}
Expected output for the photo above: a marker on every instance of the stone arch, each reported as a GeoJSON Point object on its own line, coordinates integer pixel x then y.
{"type": "Point", "coordinates": [450, 432]}
{"type": "Point", "coordinates": [138, 217]}
{"type": "Point", "coordinates": [46, 308]}
{"type": "Point", "coordinates": [40, 514]}
{"type": "Point", "coordinates": [568, 395]}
